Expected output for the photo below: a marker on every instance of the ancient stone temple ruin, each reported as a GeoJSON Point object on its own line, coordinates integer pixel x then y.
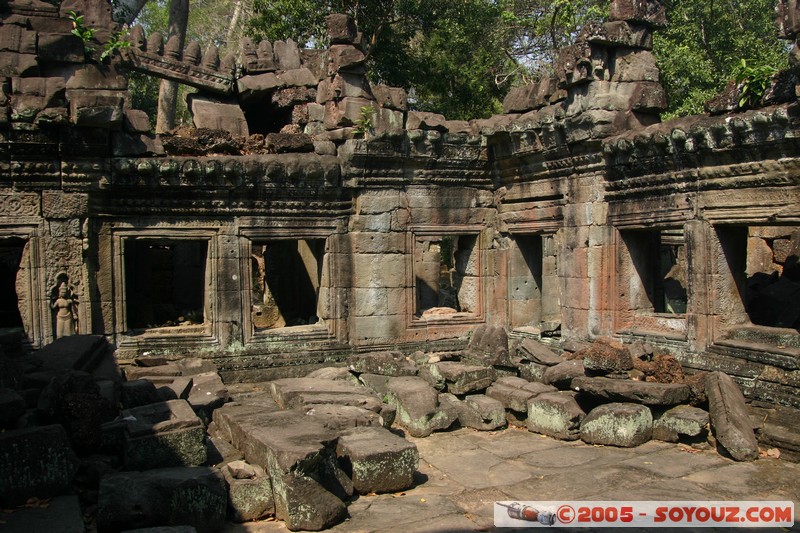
{"type": "Point", "coordinates": [312, 220]}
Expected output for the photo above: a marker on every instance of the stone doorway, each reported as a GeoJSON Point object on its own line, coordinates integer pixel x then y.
{"type": "Point", "coordinates": [11, 251]}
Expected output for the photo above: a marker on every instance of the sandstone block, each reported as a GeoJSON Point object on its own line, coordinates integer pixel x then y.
{"type": "Point", "coordinates": [297, 392]}
{"type": "Point", "coordinates": [420, 120]}
{"type": "Point", "coordinates": [648, 12]}
{"type": "Point", "coordinates": [531, 350]}
{"type": "Point", "coordinates": [481, 412]}
{"type": "Point", "coordinates": [208, 393]}
{"type": "Point", "coordinates": [623, 390]}
{"type": "Point", "coordinates": [390, 97]}
{"type": "Point", "coordinates": [163, 434]}
{"type": "Point", "coordinates": [514, 392]}
{"type": "Point", "coordinates": [620, 34]}
{"type": "Point", "coordinates": [341, 417]}
{"type": "Point", "coordinates": [287, 54]}
{"type": "Point", "coordinates": [618, 424]}
{"type": "Point", "coordinates": [461, 378]}
{"type": "Point", "coordinates": [36, 461]}
{"type": "Point", "coordinates": [217, 114]}
{"type": "Point", "coordinates": [555, 414]}
{"type": "Point", "coordinates": [680, 420]}
{"type": "Point", "coordinates": [137, 393]}
{"type": "Point", "coordinates": [96, 111]}
{"type": "Point", "coordinates": [341, 28]}
{"type": "Point", "coordinates": [729, 419]}
{"type": "Point", "coordinates": [377, 460]}
{"type": "Point", "coordinates": [299, 77]}
{"type": "Point", "coordinates": [561, 375]}
{"type": "Point", "coordinates": [417, 404]}
{"type": "Point", "coordinates": [253, 88]}
{"type": "Point", "coordinates": [532, 371]}
{"type": "Point", "coordinates": [60, 48]}
{"type": "Point", "coordinates": [162, 497]}
{"type": "Point", "coordinates": [607, 356]}
{"type": "Point", "coordinates": [249, 491]}
{"type": "Point", "coordinates": [384, 363]}
{"type": "Point", "coordinates": [345, 58]}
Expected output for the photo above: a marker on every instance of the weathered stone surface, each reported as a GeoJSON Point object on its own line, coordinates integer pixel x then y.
{"type": "Point", "coordinates": [555, 414]}
{"type": "Point", "coordinates": [482, 413]}
{"type": "Point", "coordinates": [340, 417]}
{"type": "Point", "coordinates": [460, 378]}
{"type": "Point", "coordinates": [296, 392]}
{"type": "Point", "coordinates": [514, 393]}
{"type": "Point", "coordinates": [384, 363]}
{"type": "Point", "coordinates": [12, 406]}
{"type": "Point", "coordinates": [650, 12]}
{"type": "Point", "coordinates": [60, 47]}
{"type": "Point", "coordinates": [287, 54]}
{"type": "Point", "coordinates": [163, 434]}
{"type": "Point", "coordinates": [217, 114]}
{"type": "Point", "coordinates": [390, 97]}
{"type": "Point", "coordinates": [729, 419]}
{"type": "Point", "coordinates": [561, 375]}
{"type": "Point", "coordinates": [137, 393]}
{"type": "Point", "coordinates": [303, 504]}
{"type": "Point", "coordinates": [179, 389]}
{"type": "Point", "coordinates": [162, 497]}
{"type": "Point", "coordinates": [35, 461]}
{"type": "Point", "coordinates": [208, 393]}
{"type": "Point", "coordinates": [618, 424]}
{"type": "Point", "coordinates": [680, 420]}
{"type": "Point", "coordinates": [341, 28]}
{"type": "Point", "coordinates": [607, 355]}
{"type": "Point", "coordinates": [377, 383]}
{"type": "Point", "coordinates": [623, 390]}
{"type": "Point", "coordinates": [532, 371]}
{"type": "Point", "coordinates": [249, 491]}
{"type": "Point", "coordinates": [417, 404]}
{"type": "Point", "coordinates": [345, 58]}
{"type": "Point", "coordinates": [377, 460]}
{"type": "Point", "coordinates": [148, 372]}
{"type": "Point", "coordinates": [536, 352]}
{"type": "Point", "coordinates": [488, 346]}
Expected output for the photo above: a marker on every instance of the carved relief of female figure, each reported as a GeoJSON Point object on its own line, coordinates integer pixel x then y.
{"type": "Point", "coordinates": [64, 305]}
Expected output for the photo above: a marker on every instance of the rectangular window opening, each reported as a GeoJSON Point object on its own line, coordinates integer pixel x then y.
{"type": "Point", "coordinates": [446, 275]}
{"type": "Point", "coordinates": [533, 284]}
{"type": "Point", "coordinates": [659, 274]}
{"type": "Point", "coordinates": [286, 277]}
{"type": "Point", "coordinates": [772, 289]}
{"type": "Point", "coordinates": [165, 282]}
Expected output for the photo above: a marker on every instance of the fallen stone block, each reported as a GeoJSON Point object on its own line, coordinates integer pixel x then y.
{"type": "Point", "coordinates": [607, 356]}
{"type": "Point", "coordinates": [375, 382]}
{"type": "Point", "coordinates": [377, 460]}
{"type": "Point", "coordinates": [191, 366]}
{"type": "Point", "coordinates": [460, 378]}
{"type": "Point", "coordinates": [341, 417]}
{"type": "Point", "coordinates": [249, 491]}
{"type": "Point", "coordinates": [514, 393]}
{"type": "Point", "coordinates": [163, 497]}
{"type": "Point", "coordinates": [179, 389]}
{"type": "Point", "coordinates": [729, 419]}
{"type": "Point", "coordinates": [334, 373]}
{"type": "Point", "coordinates": [137, 393]}
{"type": "Point", "coordinates": [618, 424]}
{"type": "Point", "coordinates": [12, 406]}
{"type": "Point", "coordinates": [488, 345]}
{"type": "Point", "coordinates": [562, 374]}
{"type": "Point", "coordinates": [555, 414]}
{"type": "Point", "coordinates": [681, 420]}
{"type": "Point", "coordinates": [384, 363]}
{"type": "Point", "coordinates": [62, 514]}
{"type": "Point", "coordinates": [417, 404]}
{"type": "Point", "coordinates": [296, 392]}
{"type": "Point", "coordinates": [35, 461]}
{"type": "Point", "coordinates": [208, 393]}
{"type": "Point", "coordinates": [163, 434]}
{"type": "Point", "coordinates": [532, 371]}
{"type": "Point", "coordinates": [536, 352]}
{"type": "Point", "coordinates": [303, 504]}
{"type": "Point", "coordinates": [169, 371]}
{"type": "Point", "coordinates": [482, 413]}
{"type": "Point", "coordinates": [624, 390]}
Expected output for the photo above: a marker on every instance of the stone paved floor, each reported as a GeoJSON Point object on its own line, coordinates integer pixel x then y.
{"type": "Point", "coordinates": [463, 472]}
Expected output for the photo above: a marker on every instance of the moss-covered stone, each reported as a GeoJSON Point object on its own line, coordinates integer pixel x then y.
{"type": "Point", "coordinates": [618, 424]}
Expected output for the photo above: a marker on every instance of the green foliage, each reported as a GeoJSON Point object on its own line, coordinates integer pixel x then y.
{"type": "Point", "coordinates": [704, 43]}
{"type": "Point", "coordinates": [117, 42]}
{"type": "Point", "coordinates": [754, 78]}
{"type": "Point", "coordinates": [364, 124]}
{"type": "Point", "coordinates": [85, 33]}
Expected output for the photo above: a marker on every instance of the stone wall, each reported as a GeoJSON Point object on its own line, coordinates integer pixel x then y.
{"type": "Point", "coordinates": [574, 215]}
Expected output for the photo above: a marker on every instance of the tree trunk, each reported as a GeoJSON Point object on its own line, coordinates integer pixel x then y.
{"type": "Point", "coordinates": [168, 91]}
{"type": "Point", "coordinates": [237, 12]}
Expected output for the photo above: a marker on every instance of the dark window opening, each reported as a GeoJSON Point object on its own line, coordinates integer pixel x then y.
{"type": "Point", "coordinates": [286, 278]}
{"type": "Point", "coordinates": [446, 274]}
{"type": "Point", "coordinates": [659, 260]}
{"type": "Point", "coordinates": [772, 288]}
{"type": "Point", "coordinates": [10, 257]}
{"type": "Point", "coordinates": [165, 282]}
{"type": "Point", "coordinates": [264, 117]}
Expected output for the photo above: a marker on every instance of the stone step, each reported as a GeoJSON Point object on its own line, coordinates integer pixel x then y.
{"type": "Point", "coordinates": [290, 393]}
{"type": "Point", "coordinates": [377, 460]}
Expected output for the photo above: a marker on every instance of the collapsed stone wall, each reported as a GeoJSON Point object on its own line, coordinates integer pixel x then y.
{"type": "Point", "coordinates": [546, 220]}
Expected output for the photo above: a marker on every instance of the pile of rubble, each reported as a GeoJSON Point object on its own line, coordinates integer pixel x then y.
{"type": "Point", "coordinates": [168, 446]}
